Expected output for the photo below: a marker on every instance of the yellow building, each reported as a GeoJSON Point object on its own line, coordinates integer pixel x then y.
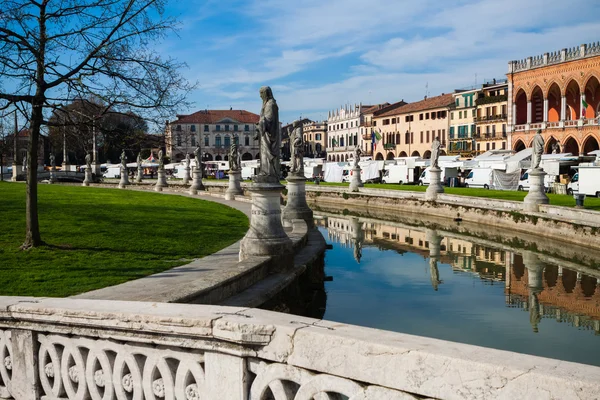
{"type": "Point", "coordinates": [410, 129]}
{"type": "Point", "coordinates": [315, 139]}
{"type": "Point", "coordinates": [491, 120]}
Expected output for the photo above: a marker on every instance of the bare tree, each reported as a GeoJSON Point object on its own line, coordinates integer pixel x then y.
{"type": "Point", "coordinates": [52, 52]}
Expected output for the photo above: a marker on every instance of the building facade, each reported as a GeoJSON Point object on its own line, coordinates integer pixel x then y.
{"type": "Point", "coordinates": [409, 130]}
{"type": "Point", "coordinates": [315, 139]}
{"type": "Point", "coordinates": [462, 123]}
{"type": "Point", "coordinates": [492, 117]}
{"type": "Point", "coordinates": [558, 93]}
{"type": "Point", "coordinates": [214, 131]}
{"type": "Point", "coordinates": [343, 127]}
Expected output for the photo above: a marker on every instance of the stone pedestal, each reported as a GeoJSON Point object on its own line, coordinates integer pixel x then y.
{"type": "Point", "coordinates": [197, 182]}
{"type": "Point", "coordinates": [296, 207]}
{"type": "Point", "coordinates": [88, 177]}
{"type": "Point", "coordinates": [139, 176]}
{"type": "Point", "coordinates": [266, 236]}
{"type": "Point", "coordinates": [435, 184]}
{"type": "Point", "coordinates": [186, 175]}
{"type": "Point", "coordinates": [16, 170]}
{"type": "Point", "coordinates": [52, 175]}
{"type": "Point", "coordinates": [124, 179]}
{"type": "Point", "coordinates": [355, 181]}
{"type": "Point", "coordinates": [162, 180]}
{"type": "Point", "coordinates": [235, 187]}
{"type": "Point", "coordinates": [537, 192]}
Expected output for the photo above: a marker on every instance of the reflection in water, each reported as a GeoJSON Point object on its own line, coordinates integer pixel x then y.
{"type": "Point", "coordinates": [383, 287]}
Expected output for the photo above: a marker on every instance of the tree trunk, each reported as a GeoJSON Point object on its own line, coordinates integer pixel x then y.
{"type": "Point", "coordinates": [32, 233]}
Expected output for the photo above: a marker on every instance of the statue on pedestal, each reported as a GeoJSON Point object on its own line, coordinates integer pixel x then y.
{"type": "Point", "coordinates": [139, 160]}
{"type": "Point", "coordinates": [269, 134]}
{"type": "Point", "coordinates": [52, 162]}
{"type": "Point", "coordinates": [537, 150]}
{"type": "Point", "coordinates": [435, 152]}
{"type": "Point", "coordinates": [187, 160]}
{"type": "Point", "coordinates": [357, 154]}
{"type": "Point", "coordinates": [234, 158]}
{"type": "Point", "coordinates": [123, 161]}
{"type": "Point", "coordinates": [297, 148]}
{"type": "Point", "coordinates": [88, 161]}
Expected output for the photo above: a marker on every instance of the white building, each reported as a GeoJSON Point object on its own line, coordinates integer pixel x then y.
{"type": "Point", "coordinates": [343, 133]}
{"type": "Point", "coordinates": [214, 131]}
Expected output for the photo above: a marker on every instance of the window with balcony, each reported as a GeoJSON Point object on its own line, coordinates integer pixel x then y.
{"type": "Point", "coordinates": [451, 132]}
{"type": "Point", "coordinates": [226, 128]}
{"type": "Point", "coordinates": [205, 128]}
{"type": "Point", "coordinates": [246, 128]}
{"type": "Point", "coordinates": [235, 128]}
{"type": "Point", "coordinates": [193, 128]}
{"type": "Point", "coordinates": [206, 141]}
{"type": "Point", "coordinates": [494, 130]}
{"type": "Point", "coordinates": [227, 141]}
{"type": "Point", "coordinates": [217, 141]}
{"type": "Point", "coordinates": [218, 128]}
{"type": "Point", "coordinates": [246, 140]}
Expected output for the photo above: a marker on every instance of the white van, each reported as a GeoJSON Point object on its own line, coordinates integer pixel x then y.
{"type": "Point", "coordinates": [480, 178]}
{"type": "Point", "coordinates": [397, 174]}
{"type": "Point", "coordinates": [112, 171]}
{"type": "Point", "coordinates": [585, 181]}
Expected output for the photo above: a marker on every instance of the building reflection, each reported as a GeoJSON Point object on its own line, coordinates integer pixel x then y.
{"type": "Point", "coordinates": [531, 281]}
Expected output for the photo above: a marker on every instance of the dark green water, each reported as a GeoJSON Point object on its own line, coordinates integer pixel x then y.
{"type": "Point", "coordinates": [418, 281]}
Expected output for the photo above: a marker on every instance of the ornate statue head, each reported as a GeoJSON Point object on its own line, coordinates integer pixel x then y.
{"type": "Point", "coordinates": [266, 93]}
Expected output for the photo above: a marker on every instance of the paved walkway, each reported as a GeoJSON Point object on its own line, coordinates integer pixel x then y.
{"type": "Point", "coordinates": [181, 283]}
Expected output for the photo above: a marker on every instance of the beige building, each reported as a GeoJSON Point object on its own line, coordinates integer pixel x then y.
{"type": "Point", "coordinates": [214, 131]}
{"type": "Point", "coordinates": [462, 123]}
{"type": "Point", "coordinates": [315, 139]}
{"type": "Point", "coordinates": [410, 129]}
{"type": "Point", "coordinates": [491, 119]}
{"type": "Point", "coordinates": [368, 124]}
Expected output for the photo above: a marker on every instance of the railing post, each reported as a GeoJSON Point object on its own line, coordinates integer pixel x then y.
{"type": "Point", "coordinates": [226, 376]}
{"type": "Point", "coordinates": [24, 365]}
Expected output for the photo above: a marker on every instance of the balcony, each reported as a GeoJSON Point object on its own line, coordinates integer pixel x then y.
{"type": "Point", "coordinates": [491, 118]}
{"type": "Point", "coordinates": [389, 146]}
{"type": "Point", "coordinates": [576, 123]}
{"type": "Point", "coordinates": [491, 99]}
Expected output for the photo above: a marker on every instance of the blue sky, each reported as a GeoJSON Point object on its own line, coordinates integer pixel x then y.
{"type": "Point", "coordinates": [319, 54]}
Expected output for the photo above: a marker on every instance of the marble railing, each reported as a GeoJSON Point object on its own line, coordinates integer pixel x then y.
{"type": "Point", "coordinates": [87, 349]}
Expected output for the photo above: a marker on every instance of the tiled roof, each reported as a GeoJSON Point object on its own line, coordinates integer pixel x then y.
{"type": "Point", "coordinates": [389, 107]}
{"type": "Point", "coordinates": [444, 100]}
{"type": "Point", "coordinates": [214, 116]}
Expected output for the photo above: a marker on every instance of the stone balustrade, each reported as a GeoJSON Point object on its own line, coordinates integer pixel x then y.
{"type": "Point", "coordinates": [568, 54]}
{"type": "Point", "coordinates": [89, 349]}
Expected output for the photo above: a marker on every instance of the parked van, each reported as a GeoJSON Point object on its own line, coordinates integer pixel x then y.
{"type": "Point", "coordinates": [401, 174]}
{"type": "Point", "coordinates": [586, 181]}
{"type": "Point", "coordinates": [480, 178]}
{"type": "Point", "coordinates": [112, 171]}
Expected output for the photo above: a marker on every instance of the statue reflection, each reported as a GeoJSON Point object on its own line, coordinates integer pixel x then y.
{"type": "Point", "coordinates": [358, 237]}
{"type": "Point", "coordinates": [435, 241]}
{"type": "Point", "coordinates": [535, 271]}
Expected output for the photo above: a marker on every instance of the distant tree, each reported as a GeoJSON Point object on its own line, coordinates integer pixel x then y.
{"type": "Point", "coordinates": [53, 52]}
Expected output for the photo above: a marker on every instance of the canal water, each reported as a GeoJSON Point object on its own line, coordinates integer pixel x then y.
{"type": "Point", "coordinates": [439, 283]}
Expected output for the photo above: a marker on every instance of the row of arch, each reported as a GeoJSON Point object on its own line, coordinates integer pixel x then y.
{"type": "Point", "coordinates": [569, 145]}
{"type": "Point", "coordinates": [547, 104]}
{"type": "Point", "coordinates": [390, 155]}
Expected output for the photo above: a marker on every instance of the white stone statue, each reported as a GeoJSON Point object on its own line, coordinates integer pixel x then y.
{"type": "Point", "coordinates": [52, 161]}
{"type": "Point", "coordinates": [537, 150]}
{"type": "Point", "coordinates": [24, 161]}
{"type": "Point", "coordinates": [161, 161]}
{"type": "Point", "coordinates": [435, 152]}
{"type": "Point", "coordinates": [187, 160]}
{"type": "Point", "coordinates": [197, 158]}
{"type": "Point", "coordinates": [88, 161]}
{"type": "Point", "coordinates": [297, 148]}
{"type": "Point", "coordinates": [357, 154]}
{"type": "Point", "coordinates": [269, 133]}
{"type": "Point", "coordinates": [234, 158]}
{"type": "Point", "coordinates": [139, 160]}
{"type": "Point", "coordinates": [123, 161]}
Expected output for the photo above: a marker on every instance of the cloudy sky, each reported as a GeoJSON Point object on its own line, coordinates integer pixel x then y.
{"type": "Point", "coordinates": [320, 54]}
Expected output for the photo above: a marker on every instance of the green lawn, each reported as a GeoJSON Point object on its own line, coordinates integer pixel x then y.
{"type": "Point", "coordinates": [591, 203]}
{"type": "Point", "coordinates": [101, 237]}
